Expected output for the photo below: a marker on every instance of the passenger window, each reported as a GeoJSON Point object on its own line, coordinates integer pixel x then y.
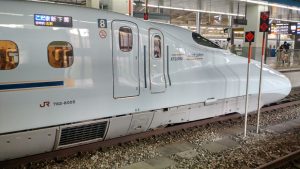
{"type": "Point", "coordinates": [157, 46]}
{"type": "Point", "coordinates": [60, 54]}
{"type": "Point", "coordinates": [9, 55]}
{"type": "Point", "coordinates": [125, 39]}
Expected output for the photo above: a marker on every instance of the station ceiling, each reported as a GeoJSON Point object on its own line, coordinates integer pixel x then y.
{"type": "Point", "coordinates": [208, 17]}
{"type": "Point", "coordinates": [209, 7]}
{"type": "Point", "coordinates": [77, 2]}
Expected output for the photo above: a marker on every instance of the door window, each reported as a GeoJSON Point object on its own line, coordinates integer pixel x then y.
{"type": "Point", "coordinates": [157, 46]}
{"type": "Point", "coordinates": [125, 39]}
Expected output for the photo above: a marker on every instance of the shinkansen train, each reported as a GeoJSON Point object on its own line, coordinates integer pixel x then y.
{"type": "Point", "coordinates": [72, 76]}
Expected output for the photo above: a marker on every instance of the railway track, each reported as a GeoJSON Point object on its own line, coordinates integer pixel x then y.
{"type": "Point", "coordinates": [282, 161]}
{"type": "Point", "coordinates": [291, 100]}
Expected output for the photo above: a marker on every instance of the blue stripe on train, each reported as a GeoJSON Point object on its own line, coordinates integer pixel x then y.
{"type": "Point", "coordinates": [30, 85]}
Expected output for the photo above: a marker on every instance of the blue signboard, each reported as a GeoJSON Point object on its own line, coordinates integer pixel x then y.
{"type": "Point", "coordinates": [287, 2]}
{"type": "Point", "coordinates": [52, 20]}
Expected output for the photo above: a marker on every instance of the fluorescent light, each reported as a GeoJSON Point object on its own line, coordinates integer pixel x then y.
{"type": "Point", "coordinates": [74, 31]}
{"type": "Point", "coordinates": [13, 14]}
{"type": "Point", "coordinates": [284, 20]}
{"type": "Point", "coordinates": [256, 2]}
{"type": "Point", "coordinates": [11, 26]}
{"type": "Point", "coordinates": [84, 32]}
{"type": "Point", "coordinates": [272, 4]}
{"type": "Point", "coordinates": [194, 10]}
{"type": "Point", "coordinates": [41, 1]}
{"type": "Point", "coordinates": [84, 21]}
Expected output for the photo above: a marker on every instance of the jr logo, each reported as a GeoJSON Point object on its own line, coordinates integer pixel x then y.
{"type": "Point", "coordinates": [45, 104]}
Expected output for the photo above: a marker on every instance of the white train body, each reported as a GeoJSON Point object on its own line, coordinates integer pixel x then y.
{"type": "Point", "coordinates": [120, 91]}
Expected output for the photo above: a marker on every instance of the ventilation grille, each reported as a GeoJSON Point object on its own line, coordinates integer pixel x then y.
{"type": "Point", "coordinates": [77, 134]}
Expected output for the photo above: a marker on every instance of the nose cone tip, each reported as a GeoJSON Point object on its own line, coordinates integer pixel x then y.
{"type": "Point", "coordinates": [277, 86]}
{"type": "Point", "coordinates": [289, 85]}
{"type": "Point", "coordinates": [285, 87]}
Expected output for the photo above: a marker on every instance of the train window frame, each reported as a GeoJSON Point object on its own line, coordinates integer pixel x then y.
{"type": "Point", "coordinates": [64, 54]}
{"type": "Point", "coordinates": [129, 46]}
{"type": "Point", "coordinates": [160, 46]}
{"type": "Point", "coordinates": [203, 41]}
{"type": "Point", "coordinates": [17, 52]}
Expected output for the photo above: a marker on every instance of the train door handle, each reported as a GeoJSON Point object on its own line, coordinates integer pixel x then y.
{"type": "Point", "coordinates": [210, 101]}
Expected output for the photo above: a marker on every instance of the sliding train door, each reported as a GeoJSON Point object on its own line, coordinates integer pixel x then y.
{"type": "Point", "coordinates": [125, 59]}
{"type": "Point", "coordinates": [157, 74]}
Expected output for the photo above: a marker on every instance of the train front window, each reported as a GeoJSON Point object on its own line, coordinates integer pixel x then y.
{"type": "Point", "coordinates": [60, 54]}
{"type": "Point", "coordinates": [203, 41]}
{"type": "Point", "coordinates": [9, 55]}
{"type": "Point", "coordinates": [125, 39]}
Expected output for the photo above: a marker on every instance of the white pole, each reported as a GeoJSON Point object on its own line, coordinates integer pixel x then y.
{"type": "Point", "coordinates": [260, 82]}
{"type": "Point", "coordinates": [247, 86]}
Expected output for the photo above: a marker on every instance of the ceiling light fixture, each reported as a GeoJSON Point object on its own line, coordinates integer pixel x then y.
{"type": "Point", "coordinates": [194, 10]}
{"type": "Point", "coordinates": [272, 4]}
{"type": "Point", "coordinates": [284, 20]}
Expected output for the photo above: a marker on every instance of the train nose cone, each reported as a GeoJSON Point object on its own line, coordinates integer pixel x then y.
{"type": "Point", "coordinates": [276, 86]}
{"type": "Point", "coordinates": [285, 87]}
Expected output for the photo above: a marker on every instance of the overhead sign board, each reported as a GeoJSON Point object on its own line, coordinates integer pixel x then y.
{"type": "Point", "coordinates": [292, 28]}
{"type": "Point", "coordinates": [264, 21]}
{"type": "Point", "coordinates": [240, 21]}
{"type": "Point", "coordinates": [249, 36]}
{"type": "Point", "coordinates": [52, 20]}
{"type": "Point", "coordinates": [280, 28]}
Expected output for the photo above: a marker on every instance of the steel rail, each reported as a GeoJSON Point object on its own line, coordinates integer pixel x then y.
{"type": "Point", "coordinates": [281, 161]}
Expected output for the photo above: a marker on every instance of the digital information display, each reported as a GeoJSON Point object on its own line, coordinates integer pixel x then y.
{"type": "Point", "coordinates": [52, 20]}
{"type": "Point", "coordinates": [293, 28]}
{"type": "Point", "coordinates": [280, 28]}
{"type": "Point", "coordinates": [298, 29]}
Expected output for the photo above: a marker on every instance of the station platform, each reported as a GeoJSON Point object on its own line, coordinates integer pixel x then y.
{"type": "Point", "coordinates": [293, 75]}
{"type": "Point", "coordinates": [287, 63]}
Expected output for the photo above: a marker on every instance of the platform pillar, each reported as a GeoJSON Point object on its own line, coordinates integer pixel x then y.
{"type": "Point", "coordinates": [198, 22]}
{"type": "Point", "coordinates": [93, 3]}
{"type": "Point", "coordinates": [198, 17]}
{"type": "Point", "coordinates": [253, 19]}
{"type": "Point", "coordinates": [121, 6]}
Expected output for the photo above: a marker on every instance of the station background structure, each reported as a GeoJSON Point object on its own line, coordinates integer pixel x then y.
{"type": "Point", "coordinates": [218, 20]}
